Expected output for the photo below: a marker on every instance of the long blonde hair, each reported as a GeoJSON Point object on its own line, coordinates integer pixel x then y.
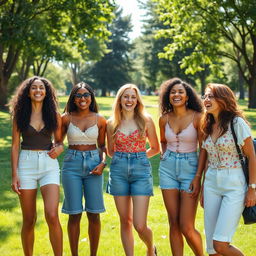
{"type": "Point", "coordinates": [139, 111]}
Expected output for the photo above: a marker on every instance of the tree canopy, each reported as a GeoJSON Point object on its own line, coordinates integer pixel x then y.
{"type": "Point", "coordinates": [51, 29]}
{"type": "Point", "coordinates": [204, 27]}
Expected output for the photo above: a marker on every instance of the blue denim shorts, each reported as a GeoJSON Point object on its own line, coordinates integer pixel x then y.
{"type": "Point", "coordinates": [78, 182]}
{"type": "Point", "coordinates": [130, 174]}
{"type": "Point", "coordinates": [177, 170]}
{"type": "Point", "coordinates": [37, 168]}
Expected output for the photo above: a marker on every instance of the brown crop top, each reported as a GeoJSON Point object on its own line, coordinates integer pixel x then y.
{"type": "Point", "coordinates": [33, 139]}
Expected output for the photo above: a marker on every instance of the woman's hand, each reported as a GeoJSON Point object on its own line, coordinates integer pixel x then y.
{"type": "Point", "coordinates": [16, 184]}
{"type": "Point", "coordinates": [195, 186]}
{"type": "Point", "coordinates": [250, 198]}
{"type": "Point", "coordinates": [56, 150]}
{"type": "Point", "coordinates": [98, 170]}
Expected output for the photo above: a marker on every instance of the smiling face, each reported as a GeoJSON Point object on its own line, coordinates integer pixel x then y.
{"type": "Point", "coordinates": [129, 100]}
{"type": "Point", "coordinates": [211, 105]}
{"type": "Point", "coordinates": [178, 95]}
{"type": "Point", "coordinates": [37, 91]}
{"type": "Point", "coordinates": [82, 99]}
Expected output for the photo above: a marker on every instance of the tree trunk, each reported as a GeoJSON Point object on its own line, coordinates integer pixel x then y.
{"type": "Point", "coordinates": [241, 85]}
{"type": "Point", "coordinates": [202, 77]}
{"type": "Point", "coordinates": [252, 93]}
{"type": "Point", "coordinates": [3, 93]}
{"type": "Point", "coordinates": [103, 92]}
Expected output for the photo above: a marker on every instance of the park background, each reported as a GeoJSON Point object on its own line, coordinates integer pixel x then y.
{"type": "Point", "coordinates": [69, 41]}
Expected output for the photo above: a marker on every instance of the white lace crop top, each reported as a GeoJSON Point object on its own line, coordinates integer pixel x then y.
{"type": "Point", "coordinates": [77, 137]}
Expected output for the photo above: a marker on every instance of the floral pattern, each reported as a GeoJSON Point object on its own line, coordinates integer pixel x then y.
{"type": "Point", "coordinates": [223, 153]}
{"type": "Point", "coordinates": [129, 143]}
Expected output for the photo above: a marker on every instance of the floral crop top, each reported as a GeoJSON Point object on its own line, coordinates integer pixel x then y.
{"type": "Point", "coordinates": [129, 143]}
{"type": "Point", "coordinates": [222, 153]}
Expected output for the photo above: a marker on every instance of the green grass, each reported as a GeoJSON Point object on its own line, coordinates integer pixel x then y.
{"type": "Point", "coordinates": [110, 244]}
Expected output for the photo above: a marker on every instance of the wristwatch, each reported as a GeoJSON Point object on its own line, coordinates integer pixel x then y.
{"type": "Point", "coordinates": [253, 186]}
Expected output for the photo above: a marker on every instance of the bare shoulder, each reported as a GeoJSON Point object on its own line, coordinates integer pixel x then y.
{"type": "Point", "coordinates": [65, 118]}
{"type": "Point", "coordinates": [101, 120]}
{"type": "Point", "coordinates": [198, 119]}
{"type": "Point", "coordinates": [163, 119]}
{"type": "Point", "coordinates": [110, 125]}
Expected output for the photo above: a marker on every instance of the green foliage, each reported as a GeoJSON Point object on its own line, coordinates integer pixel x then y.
{"type": "Point", "coordinates": [35, 32]}
{"type": "Point", "coordinates": [113, 69]}
{"type": "Point", "coordinates": [205, 26]}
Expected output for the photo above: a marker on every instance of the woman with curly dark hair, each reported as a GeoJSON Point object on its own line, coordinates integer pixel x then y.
{"type": "Point", "coordinates": [179, 180]}
{"type": "Point", "coordinates": [225, 191]}
{"type": "Point", "coordinates": [35, 119]}
{"type": "Point", "coordinates": [83, 164]}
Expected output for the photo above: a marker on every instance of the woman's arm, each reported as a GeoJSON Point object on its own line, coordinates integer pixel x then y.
{"type": "Point", "coordinates": [110, 139]}
{"type": "Point", "coordinates": [15, 157]}
{"type": "Point", "coordinates": [162, 123]}
{"type": "Point", "coordinates": [152, 138]}
{"type": "Point", "coordinates": [248, 150]}
{"type": "Point", "coordinates": [58, 147]}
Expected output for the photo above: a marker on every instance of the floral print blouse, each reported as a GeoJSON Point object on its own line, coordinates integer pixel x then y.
{"type": "Point", "coordinates": [129, 143]}
{"type": "Point", "coordinates": [223, 153]}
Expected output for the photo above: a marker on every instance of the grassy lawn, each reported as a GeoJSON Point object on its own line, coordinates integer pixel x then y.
{"type": "Point", "coordinates": [110, 244]}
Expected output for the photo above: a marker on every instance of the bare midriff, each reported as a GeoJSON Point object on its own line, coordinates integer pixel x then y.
{"type": "Point", "coordinates": [83, 147]}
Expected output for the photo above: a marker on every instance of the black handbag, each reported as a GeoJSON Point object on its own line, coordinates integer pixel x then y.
{"type": "Point", "coordinates": [249, 213]}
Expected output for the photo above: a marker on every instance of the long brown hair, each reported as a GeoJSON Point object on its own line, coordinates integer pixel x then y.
{"type": "Point", "coordinates": [226, 100]}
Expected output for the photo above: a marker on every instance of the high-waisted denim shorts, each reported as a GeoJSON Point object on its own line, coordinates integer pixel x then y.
{"type": "Point", "coordinates": [177, 170]}
{"type": "Point", "coordinates": [130, 174]}
{"type": "Point", "coordinates": [78, 182]}
{"type": "Point", "coordinates": [37, 167]}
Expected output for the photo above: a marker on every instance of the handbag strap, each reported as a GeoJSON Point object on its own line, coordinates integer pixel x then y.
{"type": "Point", "coordinates": [241, 158]}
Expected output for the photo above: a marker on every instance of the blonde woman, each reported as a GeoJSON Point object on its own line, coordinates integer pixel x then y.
{"type": "Point", "coordinates": [130, 178]}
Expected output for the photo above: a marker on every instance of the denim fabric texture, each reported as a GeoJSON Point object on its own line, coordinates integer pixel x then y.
{"type": "Point", "coordinates": [130, 175]}
{"type": "Point", "coordinates": [78, 183]}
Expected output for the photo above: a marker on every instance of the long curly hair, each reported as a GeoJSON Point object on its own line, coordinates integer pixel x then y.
{"type": "Point", "coordinates": [229, 109]}
{"type": "Point", "coordinates": [71, 106]}
{"type": "Point", "coordinates": [21, 107]}
{"type": "Point", "coordinates": [194, 102]}
{"type": "Point", "coordinates": [139, 111]}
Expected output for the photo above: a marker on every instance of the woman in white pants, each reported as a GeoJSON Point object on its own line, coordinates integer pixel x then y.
{"type": "Point", "coordinates": [225, 190]}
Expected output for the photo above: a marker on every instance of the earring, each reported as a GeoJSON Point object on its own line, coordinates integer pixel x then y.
{"type": "Point", "coordinates": [186, 103]}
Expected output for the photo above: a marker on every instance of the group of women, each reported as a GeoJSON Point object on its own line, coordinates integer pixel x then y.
{"type": "Point", "coordinates": [184, 127]}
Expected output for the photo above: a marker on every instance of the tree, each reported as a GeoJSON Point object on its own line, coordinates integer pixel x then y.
{"type": "Point", "coordinates": [205, 26]}
{"type": "Point", "coordinates": [113, 69]}
{"type": "Point", "coordinates": [49, 28]}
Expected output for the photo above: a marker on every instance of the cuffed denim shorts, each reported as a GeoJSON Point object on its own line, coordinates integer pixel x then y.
{"type": "Point", "coordinates": [130, 174]}
{"type": "Point", "coordinates": [78, 183]}
{"type": "Point", "coordinates": [37, 167]}
{"type": "Point", "coordinates": [177, 170]}
{"type": "Point", "coordinates": [224, 195]}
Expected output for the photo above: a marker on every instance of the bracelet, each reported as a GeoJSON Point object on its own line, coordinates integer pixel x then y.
{"type": "Point", "coordinates": [198, 175]}
{"type": "Point", "coordinates": [104, 162]}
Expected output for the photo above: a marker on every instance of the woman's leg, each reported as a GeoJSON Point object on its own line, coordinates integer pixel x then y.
{"type": "Point", "coordinates": [188, 207]}
{"type": "Point", "coordinates": [94, 232]}
{"type": "Point", "coordinates": [140, 211]}
{"type": "Point", "coordinates": [225, 249]}
{"type": "Point", "coordinates": [124, 209]}
{"type": "Point", "coordinates": [172, 204]}
{"type": "Point", "coordinates": [28, 207]}
{"type": "Point", "coordinates": [74, 232]}
{"type": "Point", "coordinates": [50, 195]}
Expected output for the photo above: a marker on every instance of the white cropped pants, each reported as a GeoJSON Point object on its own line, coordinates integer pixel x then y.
{"type": "Point", "coordinates": [224, 194]}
